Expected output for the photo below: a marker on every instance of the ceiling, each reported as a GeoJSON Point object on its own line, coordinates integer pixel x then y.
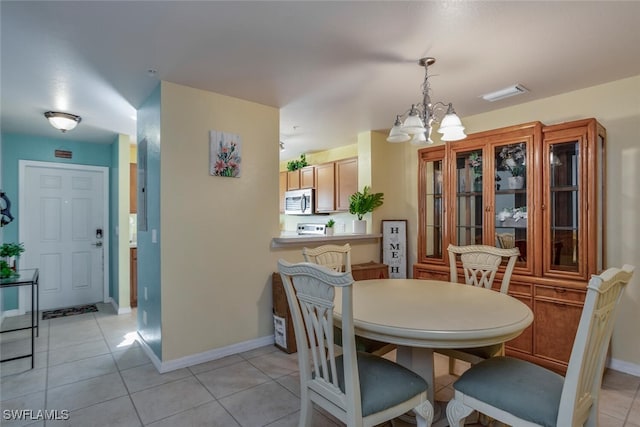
{"type": "Point", "coordinates": [333, 68]}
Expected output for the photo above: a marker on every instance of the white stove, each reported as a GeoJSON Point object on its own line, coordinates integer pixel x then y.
{"type": "Point", "coordinates": [310, 228]}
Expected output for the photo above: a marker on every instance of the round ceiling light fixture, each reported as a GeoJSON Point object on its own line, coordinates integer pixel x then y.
{"type": "Point", "coordinates": [62, 121]}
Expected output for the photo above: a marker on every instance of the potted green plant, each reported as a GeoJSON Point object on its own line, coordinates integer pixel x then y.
{"type": "Point", "coordinates": [329, 227]}
{"type": "Point", "coordinates": [361, 203]}
{"type": "Point", "coordinates": [294, 165]}
{"type": "Point", "coordinates": [10, 252]}
{"type": "Point", "coordinates": [513, 158]}
{"type": "Point", "coordinates": [6, 272]}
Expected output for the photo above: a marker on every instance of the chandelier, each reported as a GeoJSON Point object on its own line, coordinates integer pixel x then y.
{"type": "Point", "coordinates": [419, 119]}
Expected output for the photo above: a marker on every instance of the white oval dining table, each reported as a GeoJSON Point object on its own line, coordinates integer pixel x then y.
{"type": "Point", "coordinates": [420, 315]}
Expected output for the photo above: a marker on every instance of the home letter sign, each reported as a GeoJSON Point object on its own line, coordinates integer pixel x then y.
{"type": "Point", "coordinates": [394, 247]}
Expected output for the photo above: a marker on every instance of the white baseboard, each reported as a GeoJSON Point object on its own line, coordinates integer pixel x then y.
{"type": "Point", "coordinates": [154, 359]}
{"type": "Point", "coordinates": [119, 310]}
{"type": "Point", "coordinates": [622, 366]}
{"type": "Point", "coordinates": [207, 356]}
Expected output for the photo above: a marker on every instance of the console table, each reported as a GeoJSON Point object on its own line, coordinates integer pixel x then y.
{"type": "Point", "coordinates": [28, 277]}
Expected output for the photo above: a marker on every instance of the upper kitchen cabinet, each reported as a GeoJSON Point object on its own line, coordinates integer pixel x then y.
{"type": "Point", "coordinates": [307, 177]}
{"type": "Point", "coordinates": [325, 187]}
{"type": "Point", "coordinates": [335, 182]}
{"type": "Point", "coordinates": [346, 182]}
{"type": "Point", "coordinates": [293, 180]}
{"type": "Point", "coordinates": [300, 178]}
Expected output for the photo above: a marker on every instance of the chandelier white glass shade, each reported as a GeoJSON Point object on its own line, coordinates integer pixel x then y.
{"type": "Point", "coordinates": [419, 119]}
{"type": "Point", "coordinates": [62, 121]}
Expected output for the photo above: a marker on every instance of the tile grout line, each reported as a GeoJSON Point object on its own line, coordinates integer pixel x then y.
{"type": "Point", "coordinates": [636, 397]}
{"type": "Point", "coordinates": [124, 383]}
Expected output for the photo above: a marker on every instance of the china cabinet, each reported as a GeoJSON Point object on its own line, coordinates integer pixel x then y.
{"type": "Point", "coordinates": [535, 187]}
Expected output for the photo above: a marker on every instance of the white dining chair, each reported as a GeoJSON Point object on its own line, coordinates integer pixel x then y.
{"type": "Point", "coordinates": [359, 389]}
{"type": "Point", "coordinates": [338, 258]}
{"type": "Point", "coordinates": [520, 393]}
{"type": "Point", "coordinates": [335, 257]}
{"type": "Point", "coordinates": [480, 264]}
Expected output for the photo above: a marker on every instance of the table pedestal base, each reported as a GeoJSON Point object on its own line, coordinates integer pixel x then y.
{"type": "Point", "coordinates": [420, 361]}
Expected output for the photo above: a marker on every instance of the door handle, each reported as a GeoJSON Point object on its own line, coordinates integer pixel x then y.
{"type": "Point", "coordinates": [97, 244]}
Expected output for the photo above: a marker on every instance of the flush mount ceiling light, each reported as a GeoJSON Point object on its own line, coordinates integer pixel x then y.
{"type": "Point", "coordinates": [418, 120]}
{"type": "Point", "coordinates": [512, 90]}
{"type": "Point", "coordinates": [62, 121]}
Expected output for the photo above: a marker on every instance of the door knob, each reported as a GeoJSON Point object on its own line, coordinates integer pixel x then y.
{"type": "Point", "coordinates": [97, 244]}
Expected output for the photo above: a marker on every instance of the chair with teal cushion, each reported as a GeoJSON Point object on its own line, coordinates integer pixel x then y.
{"type": "Point", "coordinates": [480, 264]}
{"type": "Point", "coordinates": [359, 389]}
{"type": "Point", "coordinates": [520, 393]}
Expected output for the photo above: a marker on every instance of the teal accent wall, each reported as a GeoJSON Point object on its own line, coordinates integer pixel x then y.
{"type": "Point", "coordinates": [149, 252]}
{"type": "Point", "coordinates": [17, 147]}
{"type": "Point", "coordinates": [114, 191]}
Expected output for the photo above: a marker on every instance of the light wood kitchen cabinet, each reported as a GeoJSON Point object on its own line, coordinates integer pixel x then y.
{"type": "Point", "coordinates": [335, 182]}
{"type": "Point", "coordinates": [346, 182]}
{"type": "Point", "coordinates": [300, 178]}
{"type": "Point", "coordinates": [539, 188]}
{"type": "Point", "coordinates": [133, 280]}
{"type": "Point", "coordinates": [282, 188]}
{"type": "Point", "coordinates": [325, 187]}
{"type": "Point", "coordinates": [133, 187]}
{"type": "Point", "coordinates": [307, 177]}
{"type": "Point", "coordinates": [293, 180]}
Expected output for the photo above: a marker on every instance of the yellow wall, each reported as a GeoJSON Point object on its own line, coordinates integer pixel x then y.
{"type": "Point", "coordinates": [617, 106]}
{"type": "Point", "coordinates": [216, 231]}
{"type": "Point", "coordinates": [133, 153]}
{"type": "Point", "coordinates": [124, 278]}
{"type": "Point", "coordinates": [207, 245]}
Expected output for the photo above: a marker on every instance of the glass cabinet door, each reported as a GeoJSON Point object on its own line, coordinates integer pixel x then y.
{"type": "Point", "coordinates": [564, 205]}
{"type": "Point", "coordinates": [469, 203]}
{"type": "Point", "coordinates": [573, 199]}
{"type": "Point", "coordinates": [431, 188]}
{"type": "Point", "coordinates": [511, 198]}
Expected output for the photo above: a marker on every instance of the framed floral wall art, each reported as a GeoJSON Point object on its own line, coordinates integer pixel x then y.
{"type": "Point", "coordinates": [224, 154]}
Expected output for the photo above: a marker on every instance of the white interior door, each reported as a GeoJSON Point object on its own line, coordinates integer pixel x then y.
{"type": "Point", "coordinates": [63, 224]}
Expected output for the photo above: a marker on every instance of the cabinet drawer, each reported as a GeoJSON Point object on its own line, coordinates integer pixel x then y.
{"type": "Point", "coordinates": [432, 275]}
{"type": "Point", "coordinates": [520, 289]}
{"type": "Point", "coordinates": [560, 294]}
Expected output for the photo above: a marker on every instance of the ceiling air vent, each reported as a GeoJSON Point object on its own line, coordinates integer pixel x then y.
{"type": "Point", "coordinates": [513, 90]}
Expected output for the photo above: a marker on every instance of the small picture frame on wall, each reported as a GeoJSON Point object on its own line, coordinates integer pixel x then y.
{"type": "Point", "coordinates": [394, 247]}
{"type": "Point", "coordinates": [224, 154]}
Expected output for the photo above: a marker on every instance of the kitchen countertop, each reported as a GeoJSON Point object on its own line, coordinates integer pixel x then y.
{"type": "Point", "coordinates": [291, 238]}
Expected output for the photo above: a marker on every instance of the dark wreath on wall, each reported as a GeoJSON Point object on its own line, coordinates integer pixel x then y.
{"type": "Point", "coordinates": [5, 209]}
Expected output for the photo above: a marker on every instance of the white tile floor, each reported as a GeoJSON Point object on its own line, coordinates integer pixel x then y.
{"type": "Point", "coordinates": [92, 366]}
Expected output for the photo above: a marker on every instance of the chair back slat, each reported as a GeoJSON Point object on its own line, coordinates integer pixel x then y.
{"type": "Point", "coordinates": [579, 401]}
{"type": "Point", "coordinates": [335, 257]}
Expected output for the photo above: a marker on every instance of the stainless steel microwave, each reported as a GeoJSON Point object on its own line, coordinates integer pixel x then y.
{"type": "Point", "coordinates": [298, 202]}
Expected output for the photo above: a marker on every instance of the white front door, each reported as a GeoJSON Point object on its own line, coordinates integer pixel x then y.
{"type": "Point", "coordinates": [63, 224]}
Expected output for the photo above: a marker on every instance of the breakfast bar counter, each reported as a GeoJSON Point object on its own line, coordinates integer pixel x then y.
{"type": "Point", "coordinates": [289, 239]}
